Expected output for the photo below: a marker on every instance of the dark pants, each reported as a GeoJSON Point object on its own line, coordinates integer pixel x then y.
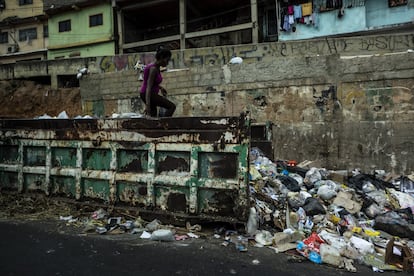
{"type": "Point", "coordinates": [157, 100]}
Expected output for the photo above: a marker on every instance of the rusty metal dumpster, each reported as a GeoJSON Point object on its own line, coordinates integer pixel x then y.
{"type": "Point", "coordinates": [188, 167]}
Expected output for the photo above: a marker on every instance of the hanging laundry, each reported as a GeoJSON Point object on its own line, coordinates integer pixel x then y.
{"type": "Point", "coordinates": [297, 11]}
{"type": "Point", "coordinates": [315, 20]}
{"type": "Point", "coordinates": [291, 20]}
{"type": "Point", "coordinates": [286, 25]}
{"type": "Point", "coordinates": [307, 9]}
{"type": "Point", "coordinates": [290, 10]}
{"type": "Point", "coordinates": [284, 18]}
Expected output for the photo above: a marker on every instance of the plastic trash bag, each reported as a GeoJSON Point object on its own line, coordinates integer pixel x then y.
{"type": "Point", "coordinates": [289, 182]}
{"type": "Point", "coordinates": [393, 223]}
{"type": "Point", "coordinates": [358, 181]}
{"type": "Point", "coordinates": [313, 207]}
{"type": "Point", "coordinates": [312, 176]}
{"type": "Point", "coordinates": [162, 235]}
{"type": "Point", "coordinates": [327, 190]}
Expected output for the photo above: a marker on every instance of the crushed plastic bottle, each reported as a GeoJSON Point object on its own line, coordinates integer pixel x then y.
{"type": "Point", "coordinates": [251, 227]}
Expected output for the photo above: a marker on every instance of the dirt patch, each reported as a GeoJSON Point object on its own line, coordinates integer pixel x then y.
{"type": "Point", "coordinates": [24, 99]}
{"type": "Point", "coordinates": [33, 207]}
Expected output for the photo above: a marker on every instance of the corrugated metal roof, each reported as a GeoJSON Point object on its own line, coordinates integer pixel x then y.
{"type": "Point", "coordinates": [58, 6]}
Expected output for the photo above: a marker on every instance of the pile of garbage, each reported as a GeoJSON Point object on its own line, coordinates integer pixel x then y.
{"type": "Point", "coordinates": [331, 217]}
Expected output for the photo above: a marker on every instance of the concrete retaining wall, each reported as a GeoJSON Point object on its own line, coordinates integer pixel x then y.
{"type": "Point", "coordinates": [343, 112]}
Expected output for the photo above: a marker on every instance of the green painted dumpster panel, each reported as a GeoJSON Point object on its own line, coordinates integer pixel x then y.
{"type": "Point", "coordinates": [34, 156]}
{"type": "Point", "coordinates": [172, 198]}
{"type": "Point", "coordinates": [9, 181]}
{"type": "Point", "coordinates": [63, 186]}
{"type": "Point", "coordinates": [215, 201]}
{"type": "Point", "coordinates": [195, 167]}
{"type": "Point", "coordinates": [95, 189]}
{"type": "Point", "coordinates": [96, 159]}
{"type": "Point", "coordinates": [34, 182]}
{"type": "Point", "coordinates": [218, 165]}
{"type": "Point", "coordinates": [132, 161]}
{"type": "Point", "coordinates": [172, 161]}
{"type": "Point", "coordinates": [63, 157]}
{"type": "Point", "coordinates": [131, 193]}
{"type": "Point", "coordinates": [9, 154]}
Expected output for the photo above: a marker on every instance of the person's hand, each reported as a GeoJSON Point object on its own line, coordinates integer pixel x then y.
{"type": "Point", "coordinates": [163, 91]}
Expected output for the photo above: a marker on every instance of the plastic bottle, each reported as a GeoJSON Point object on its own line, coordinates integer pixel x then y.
{"type": "Point", "coordinates": [251, 227]}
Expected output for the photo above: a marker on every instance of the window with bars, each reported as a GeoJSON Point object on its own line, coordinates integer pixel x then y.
{"type": "Point", "coordinates": [4, 37]}
{"type": "Point", "coordinates": [27, 34]}
{"type": "Point", "coordinates": [395, 3]}
{"type": "Point", "coordinates": [95, 20]}
{"type": "Point", "coordinates": [325, 5]}
{"type": "Point", "coordinates": [45, 31]}
{"type": "Point", "coordinates": [25, 2]}
{"type": "Point", "coordinates": [65, 26]}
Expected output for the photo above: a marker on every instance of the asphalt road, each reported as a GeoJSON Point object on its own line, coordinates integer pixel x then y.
{"type": "Point", "coordinates": [47, 248]}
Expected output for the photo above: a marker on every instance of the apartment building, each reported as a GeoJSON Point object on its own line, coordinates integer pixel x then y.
{"type": "Point", "coordinates": [23, 31]}
{"type": "Point", "coordinates": [79, 28]}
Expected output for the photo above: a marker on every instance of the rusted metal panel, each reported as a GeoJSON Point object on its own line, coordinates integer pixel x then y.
{"type": "Point", "coordinates": [194, 167]}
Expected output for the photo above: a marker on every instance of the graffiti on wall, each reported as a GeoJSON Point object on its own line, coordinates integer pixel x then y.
{"type": "Point", "coordinates": [255, 53]}
{"type": "Point", "coordinates": [128, 61]}
{"type": "Point", "coordinates": [388, 43]}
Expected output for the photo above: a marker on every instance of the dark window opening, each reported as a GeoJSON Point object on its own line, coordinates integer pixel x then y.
{"type": "Point", "coordinates": [95, 20]}
{"type": "Point", "coordinates": [206, 15]}
{"type": "Point", "coordinates": [44, 80]}
{"type": "Point", "coordinates": [25, 2]}
{"type": "Point", "coordinates": [67, 81]}
{"type": "Point", "coordinates": [328, 5]}
{"type": "Point", "coordinates": [395, 3]}
{"type": "Point", "coordinates": [45, 31]}
{"type": "Point", "coordinates": [144, 27]}
{"type": "Point", "coordinates": [65, 26]}
{"type": "Point", "coordinates": [4, 37]}
{"type": "Point", "coordinates": [27, 34]}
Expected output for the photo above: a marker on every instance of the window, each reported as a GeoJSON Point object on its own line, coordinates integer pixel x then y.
{"type": "Point", "coordinates": [95, 20]}
{"type": "Point", "coordinates": [394, 3]}
{"type": "Point", "coordinates": [328, 5]}
{"type": "Point", "coordinates": [64, 26]}
{"type": "Point", "coordinates": [45, 31]}
{"type": "Point", "coordinates": [25, 2]}
{"type": "Point", "coordinates": [271, 22]}
{"type": "Point", "coordinates": [27, 34]}
{"type": "Point", "coordinates": [4, 37]}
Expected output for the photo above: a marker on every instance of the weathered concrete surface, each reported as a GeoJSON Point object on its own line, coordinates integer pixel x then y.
{"type": "Point", "coordinates": [344, 112]}
{"type": "Point", "coordinates": [252, 53]}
